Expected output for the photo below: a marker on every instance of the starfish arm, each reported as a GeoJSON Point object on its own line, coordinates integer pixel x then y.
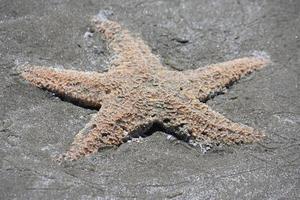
{"type": "Point", "coordinates": [214, 78]}
{"type": "Point", "coordinates": [113, 125]}
{"type": "Point", "coordinates": [131, 52]}
{"type": "Point", "coordinates": [85, 88]}
{"type": "Point", "coordinates": [203, 124]}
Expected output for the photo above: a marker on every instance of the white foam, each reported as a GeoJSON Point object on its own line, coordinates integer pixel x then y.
{"type": "Point", "coordinates": [261, 54]}
{"type": "Point", "coordinates": [103, 15]}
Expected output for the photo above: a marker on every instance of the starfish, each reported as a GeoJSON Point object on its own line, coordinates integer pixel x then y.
{"type": "Point", "coordinates": [138, 94]}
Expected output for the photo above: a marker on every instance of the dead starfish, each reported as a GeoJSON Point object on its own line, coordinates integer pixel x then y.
{"type": "Point", "coordinates": [138, 94]}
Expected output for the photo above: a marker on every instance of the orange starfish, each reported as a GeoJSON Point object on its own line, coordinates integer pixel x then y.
{"type": "Point", "coordinates": [139, 94]}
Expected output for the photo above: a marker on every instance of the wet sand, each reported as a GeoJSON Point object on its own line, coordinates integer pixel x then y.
{"type": "Point", "coordinates": [35, 125]}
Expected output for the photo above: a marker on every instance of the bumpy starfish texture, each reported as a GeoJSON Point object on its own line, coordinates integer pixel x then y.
{"type": "Point", "coordinates": [139, 93]}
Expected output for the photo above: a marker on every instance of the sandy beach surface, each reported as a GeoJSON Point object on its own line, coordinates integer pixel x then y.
{"type": "Point", "coordinates": [186, 34]}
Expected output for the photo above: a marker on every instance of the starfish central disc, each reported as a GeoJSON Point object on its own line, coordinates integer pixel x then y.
{"type": "Point", "coordinates": [138, 92]}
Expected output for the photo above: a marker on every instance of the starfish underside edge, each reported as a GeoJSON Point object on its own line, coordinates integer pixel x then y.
{"type": "Point", "coordinates": [138, 92]}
